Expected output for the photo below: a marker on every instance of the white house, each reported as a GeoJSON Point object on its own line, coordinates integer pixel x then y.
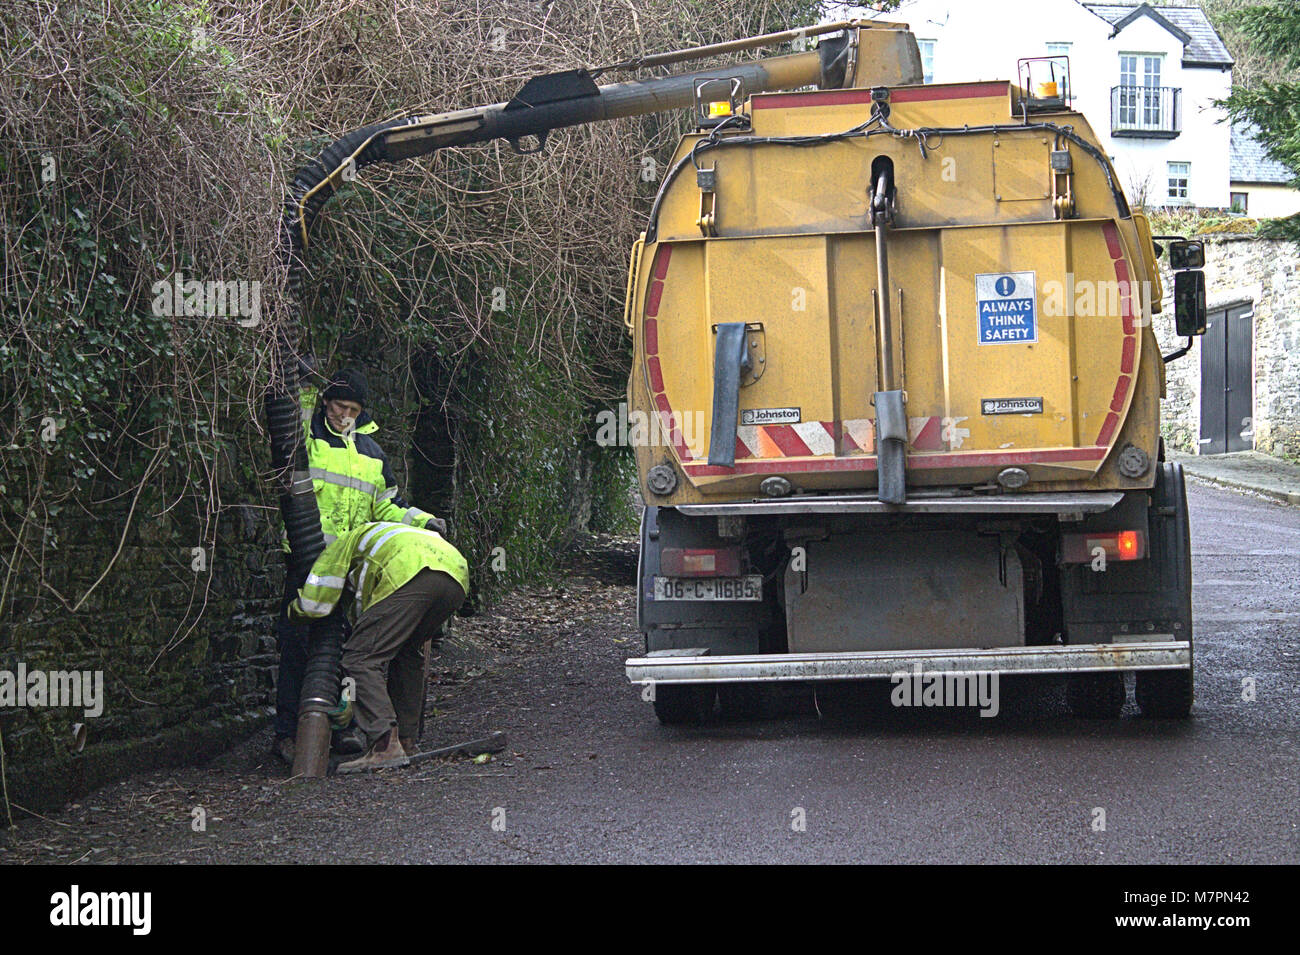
{"type": "Point", "coordinates": [1261, 187]}
{"type": "Point", "coordinates": [1145, 77]}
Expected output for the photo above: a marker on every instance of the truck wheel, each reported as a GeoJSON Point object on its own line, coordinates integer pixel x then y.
{"type": "Point", "coordinates": [850, 701]}
{"type": "Point", "coordinates": [685, 704]}
{"type": "Point", "coordinates": [747, 701]}
{"type": "Point", "coordinates": [1165, 694]}
{"type": "Point", "coordinates": [1095, 696]}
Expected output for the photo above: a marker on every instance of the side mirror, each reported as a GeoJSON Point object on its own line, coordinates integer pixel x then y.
{"type": "Point", "coordinates": [1189, 303]}
{"type": "Point", "coordinates": [1186, 254]}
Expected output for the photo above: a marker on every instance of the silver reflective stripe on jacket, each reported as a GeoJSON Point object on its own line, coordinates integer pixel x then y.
{"type": "Point", "coordinates": [314, 606]}
{"type": "Point", "coordinates": [343, 480]}
{"type": "Point", "coordinates": [316, 580]}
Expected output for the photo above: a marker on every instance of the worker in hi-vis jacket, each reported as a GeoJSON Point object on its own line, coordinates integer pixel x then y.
{"type": "Point", "coordinates": [408, 581]}
{"type": "Point", "coordinates": [354, 485]}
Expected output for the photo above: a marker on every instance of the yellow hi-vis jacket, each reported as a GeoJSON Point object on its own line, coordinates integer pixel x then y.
{"type": "Point", "coordinates": [350, 475]}
{"type": "Point", "coordinates": [372, 561]}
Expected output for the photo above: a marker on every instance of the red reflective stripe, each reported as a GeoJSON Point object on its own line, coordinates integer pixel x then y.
{"type": "Point", "coordinates": [653, 366]}
{"type": "Point", "coordinates": [656, 374]}
{"type": "Point", "coordinates": [673, 429]}
{"type": "Point", "coordinates": [1122, 384]}
{"type": "Point", "coordinates": [662, 256]}
{"type": "Point", "coordinates": [826, 98]}
{"type": "Point", "coordinates": [1112, 240]}
{"type": "Point", "coordinates": [928, 439]}
{"type": "Point", "coordinates": [783, 466]}
{"type": "Point", "coordinates": [977, 459]}
{"type": "Point", "coordinates": [1108, 429]}
{"type": "Point", "coordinates": [868, 463]}
{"type": "Point", "coordinates": [652, 300]}
{"type": "Point", "coordinates": [917, 94]}
{"type": "Point", "coordinates": [1121, 392]}
{"type": "Point", "coordinates": [787, 439]}
{"type": "Point", "coordinates": [1125, 295]}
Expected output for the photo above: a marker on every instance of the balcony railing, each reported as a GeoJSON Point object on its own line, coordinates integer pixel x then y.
{"type": "Point", "coordinates": [1153, 112]}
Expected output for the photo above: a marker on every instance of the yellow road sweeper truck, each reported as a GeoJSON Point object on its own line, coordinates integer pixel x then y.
{"type": "Point", "coordinates": [894, 341]}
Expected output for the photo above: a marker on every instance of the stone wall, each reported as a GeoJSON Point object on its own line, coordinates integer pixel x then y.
{"type": "Point", "coordinates": [1240, 269]}
{"type": "Point", "coordinates": [183, 641]}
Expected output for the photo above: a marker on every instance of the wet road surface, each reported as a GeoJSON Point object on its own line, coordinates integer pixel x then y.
{"type": "Point", "coordinates": [590, 775]}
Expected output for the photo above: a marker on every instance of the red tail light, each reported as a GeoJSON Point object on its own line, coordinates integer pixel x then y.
{"type": "Point", "coordinates": [1116, 545]}
{"type": "Point", "coordinates": [700, 562]}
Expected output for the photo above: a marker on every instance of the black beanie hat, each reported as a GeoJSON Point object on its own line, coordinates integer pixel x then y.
{"type": "Point", "coordinates": [347, 384]}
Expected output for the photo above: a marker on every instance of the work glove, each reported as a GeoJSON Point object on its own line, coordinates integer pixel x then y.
{"type": "Point", "coordinates": [436, 524]}
{"type": "Point", "coordinates": [341, 715]}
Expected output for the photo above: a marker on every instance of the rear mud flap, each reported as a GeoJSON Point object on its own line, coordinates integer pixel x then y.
{"type": "Point", "coordinates": [891, 447]}
{"type": "Point", "coordinates": [730, 358]}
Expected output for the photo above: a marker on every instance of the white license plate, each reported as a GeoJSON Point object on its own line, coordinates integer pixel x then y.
{"type": "Point", "coordinates": [749, 587]}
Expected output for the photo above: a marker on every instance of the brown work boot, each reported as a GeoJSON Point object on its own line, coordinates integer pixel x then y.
{"type": "Point", "coordinates": [410, 746]}
{"type": "Point", "coordinates": [385, 752]}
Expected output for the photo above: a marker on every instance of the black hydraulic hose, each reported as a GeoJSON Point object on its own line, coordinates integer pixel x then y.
{"type": "Point", "coordinates": [316, 182]}
{"type": "Point", "coordinates": [320, 682]}
{"type": "Point", "coordinates": [311, 189]}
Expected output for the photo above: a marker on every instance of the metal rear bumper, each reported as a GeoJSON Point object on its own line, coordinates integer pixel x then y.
{"type": "Point", "coordinates": [1070, 506]}
{"type": "Point", "coordinates": [695, 666]}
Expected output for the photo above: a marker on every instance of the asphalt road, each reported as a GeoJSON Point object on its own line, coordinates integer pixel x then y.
{"type": "Point", "coordinates": [590, 776]}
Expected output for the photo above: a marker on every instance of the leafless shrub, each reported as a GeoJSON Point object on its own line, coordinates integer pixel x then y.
{"type": "Point", "coordinates": [173, 129]}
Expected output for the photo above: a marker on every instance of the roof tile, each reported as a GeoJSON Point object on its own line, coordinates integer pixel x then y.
{"type": "Point", "coordinates": [1205, 46]}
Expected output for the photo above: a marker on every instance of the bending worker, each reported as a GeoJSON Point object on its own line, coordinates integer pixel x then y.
{"type": "Point", "coordinates": [408, 582]}
{"type": "Point", "coordinates": [354, 485]}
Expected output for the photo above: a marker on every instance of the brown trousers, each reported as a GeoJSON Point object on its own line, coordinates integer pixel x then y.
{"type": "Point", "coordinates": [385, 654]}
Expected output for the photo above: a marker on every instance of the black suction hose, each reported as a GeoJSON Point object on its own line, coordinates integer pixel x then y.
{"type": "Point", "coordinates": [311, 189]}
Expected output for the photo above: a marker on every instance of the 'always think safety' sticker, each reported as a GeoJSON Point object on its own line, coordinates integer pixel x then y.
{"type": "Point", "coordinates": [1006, 307]}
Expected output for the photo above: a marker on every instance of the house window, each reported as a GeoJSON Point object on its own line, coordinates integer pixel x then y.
{"type": "Point", "coordinates": [1139, 100]}
{"type": "Point", "coordinates": [1061, 50]}
{"type": "Point", "coordinates": [927, 60]}
{"type": "Point", "coordinates": [1238, 202]}
{"type": "Point", "coordinates": [1180, 173]}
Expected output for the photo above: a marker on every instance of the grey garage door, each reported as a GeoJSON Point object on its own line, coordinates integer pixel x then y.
{"type": "Point", "coordinates": [1228, 380]}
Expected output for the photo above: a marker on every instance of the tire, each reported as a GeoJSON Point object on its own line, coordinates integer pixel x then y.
{"type": "Point", "coordinates": [1165, 694]}
{"type": "Point", "coordinates": [684, 704]}
{"type": "Point", "coordinates": [747, 701]}
{"type": "Point", "coordinates": [1096, 696]}
{"type": "Point", "coordinates": [1168, 694]}
{"type": "Point", "coordinates": [850, 701]}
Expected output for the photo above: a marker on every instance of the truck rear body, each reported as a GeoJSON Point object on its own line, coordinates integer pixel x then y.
{"type": "Point", "coordinates": [1013, 332]}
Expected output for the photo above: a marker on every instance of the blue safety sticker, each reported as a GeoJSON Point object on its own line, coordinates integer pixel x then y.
{"type": "Point", "coordinates": [1006, 308]}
